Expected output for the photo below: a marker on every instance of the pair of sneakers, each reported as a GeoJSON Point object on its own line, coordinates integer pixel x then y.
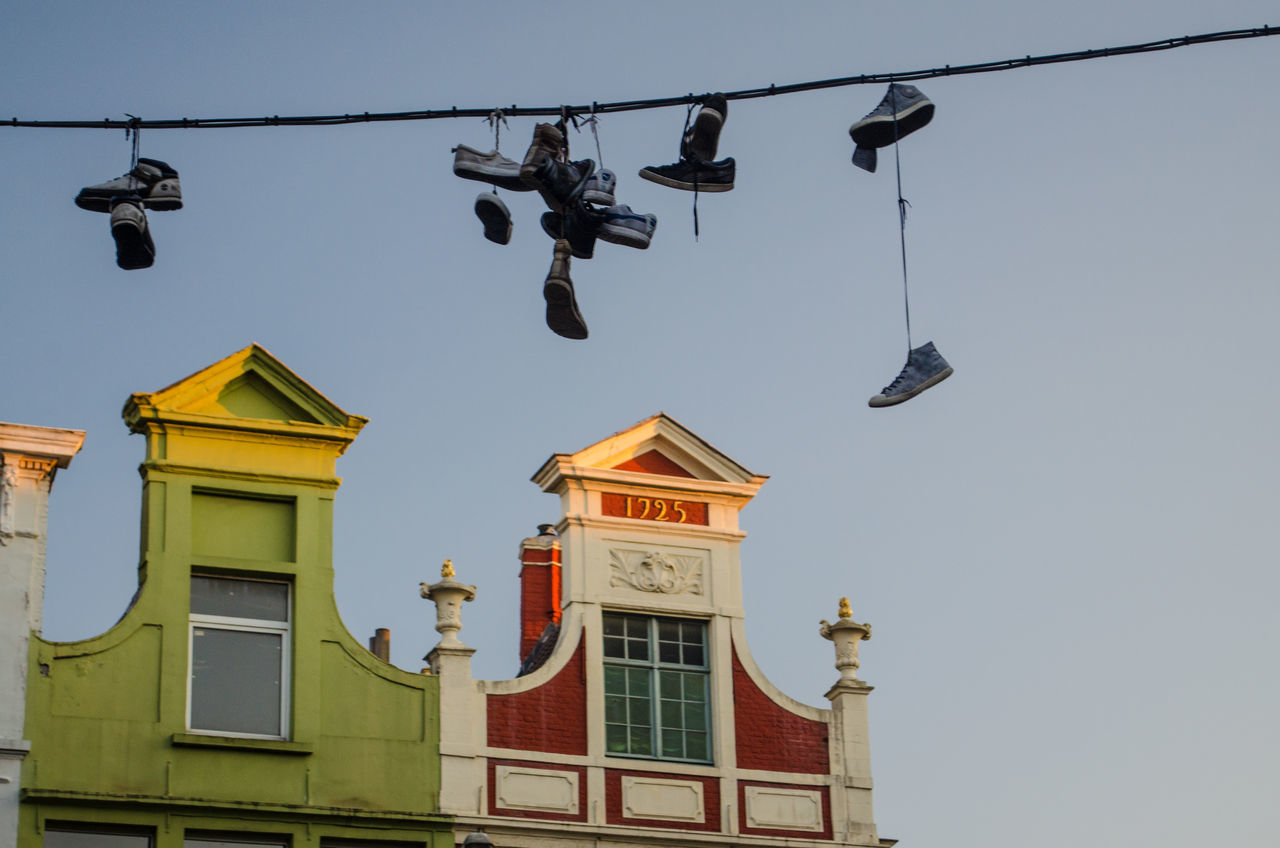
{"type": "Point", "coordinates": [696, 170]}
{"type": "Point", "coordinates": [151, 184]}
{"type": "Point", "coordinates": [598, 215]}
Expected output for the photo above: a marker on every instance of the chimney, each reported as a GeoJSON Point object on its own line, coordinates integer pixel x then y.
{"type": "Point", "coordinates": [539, 585]}
{"type": "Point", "coordinates": [380, 644]}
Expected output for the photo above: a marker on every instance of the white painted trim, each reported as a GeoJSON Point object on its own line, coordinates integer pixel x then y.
{"type": "Point", "coordinates": [659, 798]}
{"type": "Point", "coordinates": [536, 779]}
{"type": "Point", "coordinates": [759, 815]}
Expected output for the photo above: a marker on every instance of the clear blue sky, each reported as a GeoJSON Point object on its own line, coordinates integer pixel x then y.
{"type": "Point", "coordinates": [1067, 550]}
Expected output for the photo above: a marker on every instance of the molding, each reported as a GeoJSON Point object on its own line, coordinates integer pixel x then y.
{"type": "Point", "coordinates": [663, 799]}
{"type": "Point", "coordinates": [766, 808]}
{"type": "Point", "coordinates": [49, 442]}
{"type": "Point", "coordinates": [266, 746]}
{"type": "Point", "coordinates": [536, 789]}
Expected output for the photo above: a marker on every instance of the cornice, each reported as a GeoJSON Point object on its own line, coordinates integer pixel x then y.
{"type": "Point", "coordinates": [44, 442]}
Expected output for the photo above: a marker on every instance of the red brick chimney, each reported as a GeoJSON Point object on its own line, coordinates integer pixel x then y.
{"type": "Point", "coordinates": [539, 585]}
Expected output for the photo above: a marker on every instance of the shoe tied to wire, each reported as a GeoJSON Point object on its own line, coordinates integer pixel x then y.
{"type": "Point", "coordinates": [693, 175]}
{"type": "Point", "coordinates": [925, 367]}
{"type": "Point", "coordinates": [563, 316]}
{"type": "Point", "coordinates": [152, 180]}
{"type": "Point", "coordinates": [547, 142]}
{"type": "Point", "coordinates": [703, 136]}
{"type": "Point", "coordinates": [561, 183]}
{"type": "Point", "coordinates": [600, 188]}
{"type": "Point", "coordinates": [134, 247]}
{"type": "Point", "coordinates": [491, 167]}
{"type": "Point", "coordinates": [579, 225]}
{"type": "Point", "coordinates": [904, 105]}
{"type": "Point", "coordinates": [622, 226]}
{"type": "Point", "coordinates": [495, 216]}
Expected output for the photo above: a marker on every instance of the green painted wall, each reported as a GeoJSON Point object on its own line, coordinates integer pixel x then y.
{"type": "Point", "coordinates": [229, 489]}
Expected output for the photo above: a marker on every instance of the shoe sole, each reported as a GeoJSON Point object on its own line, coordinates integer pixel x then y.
{"type": "Point", "coordinates": [624, 236]}
{"type": "Point", "coordinates": [881, 401]}
{"type": "Point", "coordinates": [497, 226]}
{"type": "Point", "coordinates": [166, 196]}
{"type": "Point", "coordinates": [133, 252]}
{"type": "Point", "coordinates": [705, 135]}
{"type": "Point", "coordinates": [670, 183]}
{"type": "Point", "coordinates": [563, 317]}
{"type": "Point", "coordinates": [878, 131]}
{"type": "Point", "coordinates": [598, 197]}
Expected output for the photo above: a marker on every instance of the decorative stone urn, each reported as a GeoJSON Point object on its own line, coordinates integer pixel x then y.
{"type": "Point", "coordinates": [846, 634]}
{"type": "Point", "coordinates": [448, 595]}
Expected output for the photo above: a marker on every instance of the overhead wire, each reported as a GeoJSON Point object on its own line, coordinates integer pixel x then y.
{"type": "Point", "coordinates": [656, 103]}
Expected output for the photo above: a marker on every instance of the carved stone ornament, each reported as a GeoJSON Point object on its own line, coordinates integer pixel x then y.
{"type": "Point", "coordinates": [8, 492]}
{"type": "Point", "coordinates": [653, 571]}
{"type": "Point", "coordinates": [845, 634]}
{"type": "Point", "coordinates": [449, 596]}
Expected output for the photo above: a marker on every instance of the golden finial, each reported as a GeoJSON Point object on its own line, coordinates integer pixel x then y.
{"type": "Point", "coordinates": [446, 570]}
{"type": "Point", "coordinates": [845, 610]}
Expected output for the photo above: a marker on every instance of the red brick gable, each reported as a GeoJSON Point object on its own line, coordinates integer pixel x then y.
{"type": "Point", "coordinates": [771, 737]}
{"type": "Point", "coordinates": [551, 718]}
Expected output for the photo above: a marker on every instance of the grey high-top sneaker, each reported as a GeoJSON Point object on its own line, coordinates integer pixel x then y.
{"type": "Point", "coordinates": [547, 141]}
{"type": "Point", "coordinates": [563, 316]}
{"type": "Point", "coordinates": [152, 180]}
{"type": "Point", "coordinates": [600, 188]}
{"type": "Point", "coordinates": [925, 367]}
{"type": "Point", "coordinates": [903, 104]}
{"type": "Point", "coordinates": [134, 247]}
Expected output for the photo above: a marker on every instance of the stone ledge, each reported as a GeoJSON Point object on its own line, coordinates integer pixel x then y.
{"type": "Point", "coordinates": [271, 746]}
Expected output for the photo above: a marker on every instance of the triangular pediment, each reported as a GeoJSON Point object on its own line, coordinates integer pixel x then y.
{"type": "Point", "coordinates": [661, 446]}
{"type": "Point", "coordinates": [250, 385]}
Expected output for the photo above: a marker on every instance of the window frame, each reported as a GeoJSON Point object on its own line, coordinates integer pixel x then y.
{"type": "Point", "coordinates": [97, 829]}
{"type": "Point", "coordinates": [654, 667]}
{"type": "Point", "coordinates": [284, 629]}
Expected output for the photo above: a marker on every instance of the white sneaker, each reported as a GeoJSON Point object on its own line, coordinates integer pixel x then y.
{"type": "Point", "coordinates": [491, 167]}
{"type": "Point", "coordinates": [600, 188]}
{"type": "Point", "coordinates": [622, 226]}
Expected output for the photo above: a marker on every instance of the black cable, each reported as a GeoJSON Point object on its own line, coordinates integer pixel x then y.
{"type": "Point", "coordinates": [661, 102]}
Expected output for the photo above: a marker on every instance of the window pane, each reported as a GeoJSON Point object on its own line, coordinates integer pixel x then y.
{"type": "Point", "coordinates": [695, 746]}
{"type": "Point", "coordinates": [695, 716]}
{"type": "Point", "coordinates": [87, 839]}
{"type": "Point", "coordinates": [615, 646]}
{"type": "Point", "coordinates": [615, 709]}
{"type": "Point", "coordinates": [615, 739]}
{"type": "Point", "coordinates": [693, 655]}
{"type": "Point", "coordinates": [672, 715]}
{"type": "Point", "coordinates": [671, 745]}
{"type": "Point", "coordinates": [239, 598]}
{"type": "Point", "coordinates": [613, 625]}
{"type": "Point", "coordinates": [235, 681]}
{"type": "Point", "coordinates": [668, 631]}
{"type": "Point", "coordinates": [638, 712]}
{"type": "Point", "coordinates": [637, 649]}
{"type": "Point", "coordinates": [695, 687]}
{"type": "Point", "coordinates": [637, 628]}
{"type": "Point", "coordinates": [615, 680]}
{"type": "Point", "coordinates": [668, 652]}
{"type": "Point", "coordinates": [641, 741]}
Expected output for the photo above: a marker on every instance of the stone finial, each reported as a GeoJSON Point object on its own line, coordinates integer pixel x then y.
{"type": "Point", "coordinates": [846, 634]}
{"type": "Point", "coordinates": [448, 595]}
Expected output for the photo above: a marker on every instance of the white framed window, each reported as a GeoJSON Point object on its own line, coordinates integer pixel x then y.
{"type": "Point", "coordinates": [239, 657]}
{"type": "Point", "coordinates": [656, 688]}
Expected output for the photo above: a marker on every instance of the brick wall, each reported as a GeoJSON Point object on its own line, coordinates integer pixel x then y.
{"type": "Point", "coordinates": [803, 834]}
{"type": "Point", "coordinates": [551, 718]}
{"type": "Point", "coordinates": [539, 593]}
{"type": "Point", "coordinates": [771, 737]}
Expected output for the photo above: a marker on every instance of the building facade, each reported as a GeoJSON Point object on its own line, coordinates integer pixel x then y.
{"type": "Point", "coordinates": [229, 705]}
{"type": "Point", "coordinates": [639, 716]}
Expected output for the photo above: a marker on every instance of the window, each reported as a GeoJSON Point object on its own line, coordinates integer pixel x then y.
{"type": "Point", "coordinates": [239, 657]}
{"type": "Point", "coordinates": [90, 836]}
{"type": "Point", "coordinates": [655, 688]}
{"type": "Point", "coordinates": [233, 840]}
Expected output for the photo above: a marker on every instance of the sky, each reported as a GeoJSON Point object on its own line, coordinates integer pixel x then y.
{"type": "Point", "coordinates": [1066, 549]}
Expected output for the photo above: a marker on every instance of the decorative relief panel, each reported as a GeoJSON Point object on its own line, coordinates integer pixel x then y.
{"type": "Point", "coordinates": [784, 808]}
{"type": "Point", "coordinates": [654, 571]}
{"type": "Point", "coordinates": [662, 798]}
{"type": "Point", "coordinates": [540, 790]}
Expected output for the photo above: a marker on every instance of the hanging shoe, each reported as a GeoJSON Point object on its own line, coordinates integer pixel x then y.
{"type": "Point", "coordinates": [491, 167]}
{"type": "Point", "coordinates": [703, 136]}
{"type": "Point", "coordinates": [580, 226]}
{"type": "Point", "coordinates": [925, 367]}
{"type": "Point", "coordinates": [563, 316]}
{"type": "Point", "coordinates": [134, 247]}
{"type": "Point", "coordinates": [904, 104]}
{"type": "Point", "coordinates": [692, 176]}
{"type": "Point", "coordinates": [495, 216]}
{"type": "Point", "coordinates": [600, 187]}
{"type": "Point", "coordinates": [152, 180]}
{"type": "Point", "coordinates": [561, 183]}
{"type": "Point", "coordinates": [546, 144]}
{"type": "Point", "coordinates": [622, 226]}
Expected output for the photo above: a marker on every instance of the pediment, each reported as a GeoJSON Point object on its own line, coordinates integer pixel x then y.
{"type": "Point", "coordinates": [249, 385]}
{"type": "Point", "coordinates": [658, 445]}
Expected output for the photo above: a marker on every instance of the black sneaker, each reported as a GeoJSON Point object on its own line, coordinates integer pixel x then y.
{"type": "Point", "coordinates": [153, 181]}
{"type": "Point", "coordinates": [703, 136]}
{"type": "Point", "coordinates": [693, 176]}
{"type": "Point", "coordinates": [560, 183]}
{"type": "Point", "coordinates": [563, 316]}
{"type": "Point", "coordinates": [580, 226]}
{"type": "Point", "coordinates": [495, 216]}
{"type": "Point", "coordinates": [903, 110]}
{"type": "Point", "coordinates": [134, 247]}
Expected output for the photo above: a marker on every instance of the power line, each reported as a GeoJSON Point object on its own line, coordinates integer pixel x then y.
{"type": "Point", "coordinates": [656, 103]}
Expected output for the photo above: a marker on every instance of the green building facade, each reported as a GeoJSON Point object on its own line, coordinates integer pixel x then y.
{"type": "Point", "coordinates": [230, 704]}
